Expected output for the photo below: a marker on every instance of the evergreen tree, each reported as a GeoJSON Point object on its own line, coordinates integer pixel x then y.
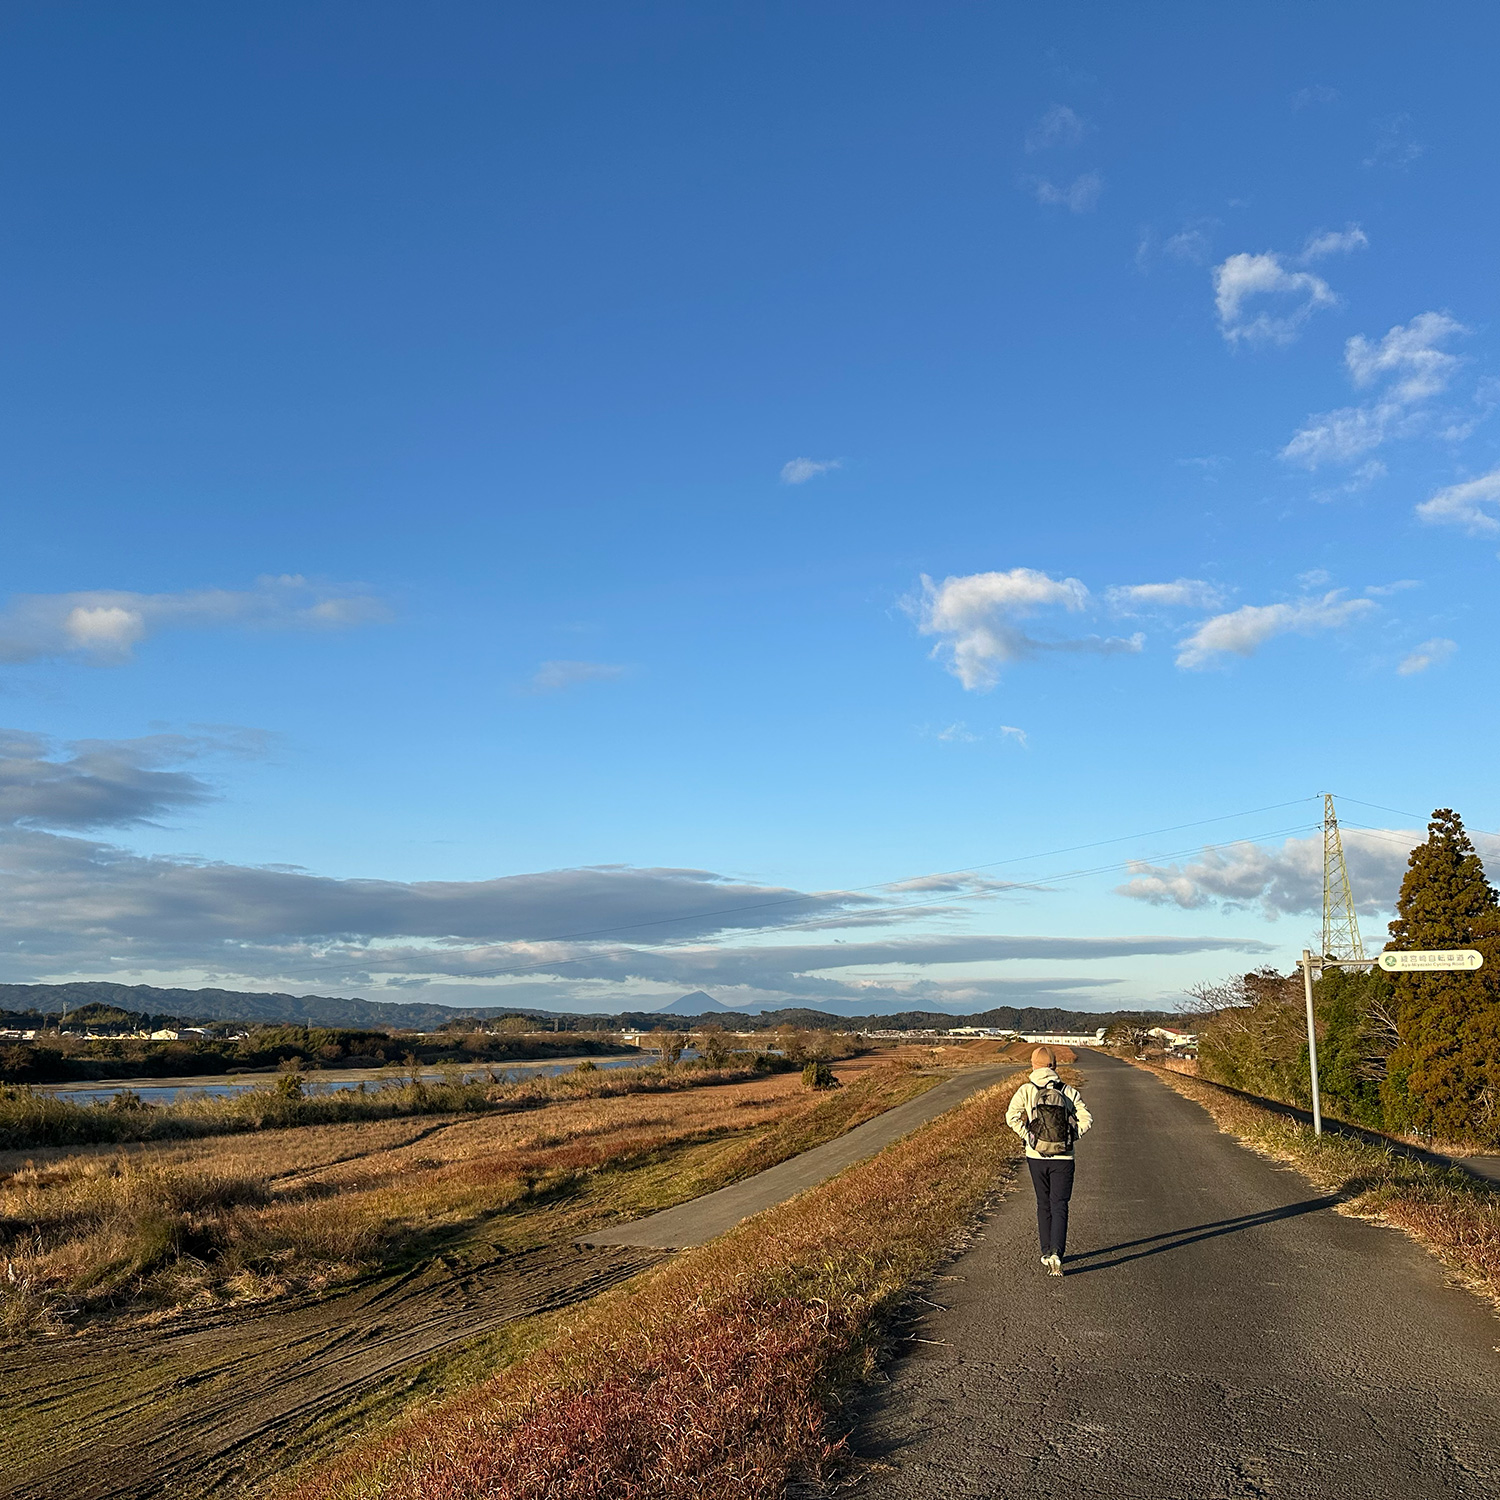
{"type": "Point", "coordinates": [1443, 1076]}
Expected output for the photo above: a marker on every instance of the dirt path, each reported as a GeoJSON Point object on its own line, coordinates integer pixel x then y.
{"type": "Point", "coordinates": [703, 1219]}
{"type": "Point", "coordinates": [217, 1406]}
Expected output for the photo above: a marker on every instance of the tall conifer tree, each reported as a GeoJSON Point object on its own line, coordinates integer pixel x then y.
{"type": "Point", "coordinates": [1444, 1075]}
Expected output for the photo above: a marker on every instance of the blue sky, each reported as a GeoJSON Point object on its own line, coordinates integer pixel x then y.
{"type": "Point", "coordinates": [491, 490]}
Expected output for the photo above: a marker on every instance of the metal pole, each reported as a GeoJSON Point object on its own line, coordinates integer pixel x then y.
{"type": "Point", "coordinates": [1312, 1041]}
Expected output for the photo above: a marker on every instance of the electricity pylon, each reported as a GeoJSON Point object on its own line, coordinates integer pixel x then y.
{"type": "Point", "coordinates": [1340, 925]}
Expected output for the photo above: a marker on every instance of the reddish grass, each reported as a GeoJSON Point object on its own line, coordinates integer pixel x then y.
{"type": "Point", "coordinates": [715, 1375]}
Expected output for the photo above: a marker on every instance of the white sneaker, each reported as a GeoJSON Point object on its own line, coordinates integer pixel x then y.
{"type": "Point", "coordinates": [1054, 1265]}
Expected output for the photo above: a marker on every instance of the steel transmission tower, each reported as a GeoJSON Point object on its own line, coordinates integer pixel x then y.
{"type": "Point", "coordinates": [1340, 925]}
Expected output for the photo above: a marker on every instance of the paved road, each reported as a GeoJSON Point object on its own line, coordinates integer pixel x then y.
{"type": "Point", "coordinates": [1222, 1332]}
{"type": "Point", "coordinates": [714, 1214]}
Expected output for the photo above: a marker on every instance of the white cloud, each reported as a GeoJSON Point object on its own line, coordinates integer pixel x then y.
{"type": "Point", "coordinates": [555, 676]}
{"type": "Point", "coordinates": [1059, 126]}
{"type": "Point", "coordinates": [1410, 355]}
{"type": "Point", "coordinates": [104, 625]}
{"type": "Point", "coordinates": [1333, 242]}
{"type": "Point", "coordinates": [1079, 196]}
{"type": "Point", "coordinates": [975, 615]}
{"type": "Point", "coordinates": [1183, 593]}
{"type": "Point", "coordinates": [1428, 654]}
{"type": "Point", "coordinates": [1279, 882]}
{"type": "Point", "coordinates": [1242, 631]}
{"type": "Point", "coordinates": [1243, 278]}
{"type": "Point", "coordinates": [1399, 586]}
{"type": "Point", "coordinates": [1459, 504]}
{"type": "Point", "coordinates": [958, 734]}
{"type": "Point", "coordinates": [1010, 732]}
{"type": "Point", "coordinates": [800, 470]}
{"type": "Point", "coordinates": [1415, 368]}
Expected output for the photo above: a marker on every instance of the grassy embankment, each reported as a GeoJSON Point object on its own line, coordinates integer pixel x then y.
{"type": "Point", "coordinates": [1451, 1213]}
{"type": "Point", "coordinates": [233, 1218]}
{"type": "Point", "coordinates": [716, 1375]}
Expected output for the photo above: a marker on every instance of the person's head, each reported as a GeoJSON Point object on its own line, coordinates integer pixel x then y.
{"type": "Point", "coordinates": [1044, 1057]}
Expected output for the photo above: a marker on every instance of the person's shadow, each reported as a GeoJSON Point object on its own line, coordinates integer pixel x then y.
{"type": "Point", "coordinates": [1178, 1239]}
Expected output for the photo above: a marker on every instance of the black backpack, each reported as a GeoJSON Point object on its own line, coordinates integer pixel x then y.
{"type": "Point", "coordinates": [1054, 1125]}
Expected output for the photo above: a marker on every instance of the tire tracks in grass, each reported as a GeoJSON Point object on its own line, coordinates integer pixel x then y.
{"type": "Point", "coordinates": [217, 1406]}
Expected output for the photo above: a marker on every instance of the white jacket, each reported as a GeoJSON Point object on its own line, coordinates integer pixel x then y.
{"type": "Point", "coordinates": [1023, 1106]}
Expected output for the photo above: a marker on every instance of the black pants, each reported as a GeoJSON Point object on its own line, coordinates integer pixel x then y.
{"type": "Point", "coordinates": [1053, 1181]}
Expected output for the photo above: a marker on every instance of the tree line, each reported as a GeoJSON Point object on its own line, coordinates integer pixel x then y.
{"type": "Point", "coordinates": [1408, 1053]}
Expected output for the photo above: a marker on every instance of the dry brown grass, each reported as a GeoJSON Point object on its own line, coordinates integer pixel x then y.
{"type": "Point", "coordinates": [713, 1376]}
{"type": "Point", "coordinates": [1445, 1209]}
{"type": "Point", "coordinates": [168, 1226]}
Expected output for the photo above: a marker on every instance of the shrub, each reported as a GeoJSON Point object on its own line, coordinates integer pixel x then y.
{"type": "Point", "coordinates": [818, 1075]}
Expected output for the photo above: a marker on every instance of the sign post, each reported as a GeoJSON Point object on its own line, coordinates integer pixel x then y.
{"type": "Point", "coordinates": [1402, 961]}
{"type": "Point", "coordinates": [1312, 1041]}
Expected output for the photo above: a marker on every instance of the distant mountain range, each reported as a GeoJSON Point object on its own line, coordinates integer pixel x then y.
{"type": "Point", "coordinates": [241, 1005]}
{"type": "Point", "coordinates": [22, 1000]}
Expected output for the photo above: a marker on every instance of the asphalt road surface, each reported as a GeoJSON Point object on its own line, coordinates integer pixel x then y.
{"type": "Point", "coordinates": [1221, 1332]}
{"type": "Point", "coordinates": [705, 1218]}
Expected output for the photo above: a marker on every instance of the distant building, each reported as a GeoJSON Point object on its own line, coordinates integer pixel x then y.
{"type": "Point", "coordinates": [981, 1031]}
{"type": "Point", "coordinates": [1182, 1043]}
{"type": "Point", "coordinates": [1061, 1039]}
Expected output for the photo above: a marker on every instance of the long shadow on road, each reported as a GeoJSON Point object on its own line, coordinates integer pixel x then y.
{"type": "Point", "coordinates": [1179, 1239]}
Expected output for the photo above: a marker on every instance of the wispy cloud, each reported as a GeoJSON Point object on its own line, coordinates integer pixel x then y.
{"type": "Point", "coordinates": [557, 676]}
{"type": "Point", "coordinates": [957, 734]}
{"type": "Point", "coordinates": [1058, 126]}
{"type": "Point", "coordinates": [1193, 244]}
{"type": "Point", "coordinates": [975, 616]}
{"type": "Point", "coordinates": [1428, 654]}
{"type": "Point", "coordinates": [1317, 93]}
{"type": "Point", "coordinates": [105, 625]}
{"type": "Point", "coordinates": [1078, 196]}
{"type": "Point", "coordinates": [1181, 593]}
{"type": "Point", "coordinates": [800, 470]}
{"type": "Point", "coordinates": [1461, 505]}
{"type": "Point", "coordinates": [1413, 368]}
{"type": "Point", "coordinates": [1372, 471]}
{"type": "Point", "coordinates": [1395, 145]}
{"type": "Point", "coordinates": [1243, 631]}
{"type": "Point", "coordinates": [1334, 242]}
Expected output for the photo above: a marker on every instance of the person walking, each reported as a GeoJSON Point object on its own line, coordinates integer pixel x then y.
{"type": "Point", "coordinates": [1049, 1115]}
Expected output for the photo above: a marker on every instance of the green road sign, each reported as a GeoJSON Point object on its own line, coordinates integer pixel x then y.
{"type": "Point", "coordinates": [1424, 960]}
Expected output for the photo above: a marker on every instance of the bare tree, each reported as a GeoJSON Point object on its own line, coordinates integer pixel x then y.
{"type": "Point", "coordinates": [668, 1045]}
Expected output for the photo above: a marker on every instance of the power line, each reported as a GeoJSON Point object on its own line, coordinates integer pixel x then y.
{"type": "Point", "coordinates": [889, 911]}
{"type": "Point", "coordinates": [859, 890]}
